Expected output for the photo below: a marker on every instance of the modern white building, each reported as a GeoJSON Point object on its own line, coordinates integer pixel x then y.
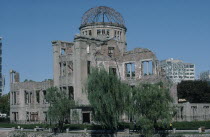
{"type": "Point", "coordinates": [177, 70]}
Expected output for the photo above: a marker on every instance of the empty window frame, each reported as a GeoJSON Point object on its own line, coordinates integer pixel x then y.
{"type": "Point", "coordinates": [147, 68]}
{"type": "Point", "coordinates": [34, 116]}
{"type": "Point", "coordinates": [15, 116]}
{"type": "Point", "coordinates": [115, 34]}
{"type": "Point", "coordinates": [63, 67]}
{"type": "Point", "coordinates": [26, 96]}
{"type": "Point", "coordinates": [107, 32]}
{"type": "Point", "coordinates": [194, 112]}
{"type": "Point", "coordinates": [38, 96]}
{"type": "Point", "coordinates": [113, 70]}
{"type": "Point", "coordinates": [71, 92]}
{"type": "Point", "coordinates": [30, 97]}
{"type": "Point", "coordinates": [45, 116]}
{"type": "Point", "coordinates": [98, 32]}
{"type": "Point", "coordinates": [70, 67]}
{"type": "Point", "coordinates": [15, 96]}
{"type": "Point", "coordinates": [206, 112]}
{"type": "Point", "coordinates": [45, 96]}
{"type": "Point", "coordinates": [103, 31]}
{"type": "Point", "coordinates": [88, 67]}
{"type": "Point", "coordinates": [110, 51]}
{"type": "Point", "coordinates": [27, 116]}
{"type": "Point", "coordinates": [89, 32]}
{"type": "Point", "coordinates": [130, 70]}
{"type": "Point", "coordinates": [63, 50]}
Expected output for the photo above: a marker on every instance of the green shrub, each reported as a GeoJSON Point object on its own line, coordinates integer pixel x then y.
{"type": "Point", "coordinates": [191, 125]}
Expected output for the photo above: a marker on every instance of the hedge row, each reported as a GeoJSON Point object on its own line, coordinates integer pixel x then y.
{"type": "Point", "coordinates": [191, 125]}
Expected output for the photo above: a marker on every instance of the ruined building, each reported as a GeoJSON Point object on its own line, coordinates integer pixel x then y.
{"type": "Point", "coordinates": [101, 43]}
{"type": "Point", "coordinates": [28, 100]}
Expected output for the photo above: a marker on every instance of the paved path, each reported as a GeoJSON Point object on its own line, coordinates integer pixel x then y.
{"type": "Point", "coordinates": [4, 132]}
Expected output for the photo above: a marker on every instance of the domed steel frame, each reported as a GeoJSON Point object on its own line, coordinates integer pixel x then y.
{"type": "Point", "coordinates": [102, 14]}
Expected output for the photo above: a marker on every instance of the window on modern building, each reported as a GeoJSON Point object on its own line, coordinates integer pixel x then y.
{"type": "Point", "coordinates": [88, 67]}
{"type": "Point", "coordinates": [113, 70]}
{"type": "Point", "coordinates": [110, 51]}
{"type": "Point", "coordinates": [191, 66]}
{"type": "Point", "coordinates": [85, 32]}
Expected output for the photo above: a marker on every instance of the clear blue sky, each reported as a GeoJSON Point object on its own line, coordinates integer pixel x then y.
{"type": "Point", "coordinates": [177, 29]}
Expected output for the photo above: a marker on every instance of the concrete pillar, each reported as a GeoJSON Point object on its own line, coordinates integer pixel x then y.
{"type": "Point", "coordinates": [56, 66]}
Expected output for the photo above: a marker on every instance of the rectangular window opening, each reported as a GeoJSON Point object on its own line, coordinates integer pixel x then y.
{"type": "Point", "coordinates": [147, 68]}
{"type": "Point", "coordinates": [110, 51]}
{"type": "Point", "coordinates": [71, 92]}
{"type": "Point", "coordinates": [63, 51]}
{"type": "Point", "coordinates": [37, 96]}
{"type": "Point", "coordinates": [113, 70]}
{"type": "Point", "coordinates": [130, 70]}
{"type": "Point", "coordinates": [90, 33]}
{"type": "Point", "coordinates": [88, 67]}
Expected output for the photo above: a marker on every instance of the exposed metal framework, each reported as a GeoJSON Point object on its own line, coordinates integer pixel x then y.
{"type": "Point", "coordinates": [102, 14]}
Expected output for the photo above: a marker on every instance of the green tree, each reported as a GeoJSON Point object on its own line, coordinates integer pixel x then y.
{"type": "Point", "coordinates": [108, 97]}
{"type": "Point", "coordinates": [152, 106]}
{"type": "Point", "coordinates": [60, 105]}
{"type": "Point", "coordinates": [194, 91]}
{"type": "Point", "coordinates": [4, 104]}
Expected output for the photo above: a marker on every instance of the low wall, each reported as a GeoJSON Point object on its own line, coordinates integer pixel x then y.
{"type": "Point", "coordinates": [45, 134]}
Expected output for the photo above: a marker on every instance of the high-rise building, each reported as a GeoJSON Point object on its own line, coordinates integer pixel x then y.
{"type": "Point", "coordinates": [177, 70]}
{"type": "Point", "coordinates": [1, 79]}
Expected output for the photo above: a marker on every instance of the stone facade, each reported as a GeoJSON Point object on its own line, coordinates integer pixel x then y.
{"type": "Point", "coordinates": [27, 100]}
{"type": "Point", "coordinates": [193, 112]}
